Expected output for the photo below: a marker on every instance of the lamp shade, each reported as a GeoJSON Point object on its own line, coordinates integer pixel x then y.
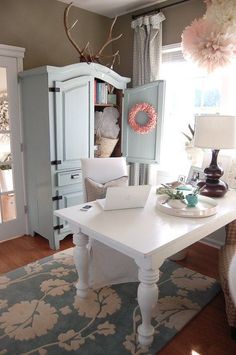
{"type": "Point", "coordinates": [215, 132]}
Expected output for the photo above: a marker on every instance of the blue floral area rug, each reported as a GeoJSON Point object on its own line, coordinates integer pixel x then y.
{"type": "Point", "coordinates": [40, 312]}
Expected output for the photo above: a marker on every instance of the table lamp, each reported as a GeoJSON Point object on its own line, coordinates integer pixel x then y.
{"type": "Point", "coordinates": [214, 132]}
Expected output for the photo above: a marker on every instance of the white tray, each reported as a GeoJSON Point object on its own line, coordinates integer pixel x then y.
{"type": "Point", "coordinates": [206, 207]}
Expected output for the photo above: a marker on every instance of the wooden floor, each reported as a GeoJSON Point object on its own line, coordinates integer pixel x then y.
{"type": "Point", "coordinates": [206, 334]}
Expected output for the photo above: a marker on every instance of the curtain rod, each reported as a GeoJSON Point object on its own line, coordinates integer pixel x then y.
{"type": "Point", "coordinates": [158, 9]}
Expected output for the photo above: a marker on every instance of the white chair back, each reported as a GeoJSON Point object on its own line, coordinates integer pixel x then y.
{"type": "Point", "coordinates": [232, 278]}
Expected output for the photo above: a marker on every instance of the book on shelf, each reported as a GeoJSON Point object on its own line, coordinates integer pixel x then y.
{"type": "Point", "coordinates": [100, 92]}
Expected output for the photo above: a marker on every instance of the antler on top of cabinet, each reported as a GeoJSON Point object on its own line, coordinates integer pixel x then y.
{"type": "Point", "coordinates": [109, 39]}
{"type": "Point", "coordinates": [84, 53]}
{"type": "Point", "coordinates": [68, 29]}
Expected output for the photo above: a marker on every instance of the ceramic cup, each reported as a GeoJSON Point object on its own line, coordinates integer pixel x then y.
{"type": "Point", "coordinates": [192, 200]}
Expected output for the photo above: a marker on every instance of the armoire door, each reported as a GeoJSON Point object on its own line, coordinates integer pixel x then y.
{"type": "Point", "coordinates": [74, 121]}
{"type": "Point", "coordinates": [12, 201]}
{"type": "Point", "coordinates": [143, 148]}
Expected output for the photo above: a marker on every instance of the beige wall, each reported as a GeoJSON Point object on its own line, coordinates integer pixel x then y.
{"type": "Point", "coordinates": [37, 25]}
{"type": "Point", "coordinates": [177, 18]}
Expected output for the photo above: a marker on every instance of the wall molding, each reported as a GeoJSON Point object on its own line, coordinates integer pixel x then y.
{"type": "Point", "coordinates": [11, 51]}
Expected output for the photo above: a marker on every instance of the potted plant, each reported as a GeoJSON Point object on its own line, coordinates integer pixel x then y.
{"type": "Point", "coordinates": [174, 198]}
{"type": "Point", "coordinates": [177, 199]}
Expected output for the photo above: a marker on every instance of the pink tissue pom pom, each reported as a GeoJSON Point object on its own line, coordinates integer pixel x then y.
{"type": "Point", "coordinates": [222, 13]}
{"type": "Point", "coordinates": [205, 43]}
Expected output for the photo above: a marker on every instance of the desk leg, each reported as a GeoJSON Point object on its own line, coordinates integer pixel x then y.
{"type": "Point", "coordinates": [147, 300]}
{"type": "Point", "coordinates": [81, 258]}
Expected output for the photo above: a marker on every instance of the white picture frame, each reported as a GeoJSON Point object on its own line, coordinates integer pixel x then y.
{"type": "Point", "coordinates": [195, 175]}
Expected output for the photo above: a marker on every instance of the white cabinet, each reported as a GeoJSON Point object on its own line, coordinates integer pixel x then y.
{"type": "Point", "coordinates": [58, 122]}
{"type": "Point", "coordinates": [74, 121]}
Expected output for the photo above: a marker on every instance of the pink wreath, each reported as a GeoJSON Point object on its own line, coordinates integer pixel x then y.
{"type": "Point", "coordinates": [152, 118]}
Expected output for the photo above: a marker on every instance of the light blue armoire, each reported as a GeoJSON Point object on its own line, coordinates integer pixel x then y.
{"type": "Point", "coordinates": [58, 121]}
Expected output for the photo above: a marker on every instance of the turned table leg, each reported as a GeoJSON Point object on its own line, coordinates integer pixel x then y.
{"type": "Point", "coordinates": [147, 300]}
{"type": "Point", "coordinates": [81, 258]}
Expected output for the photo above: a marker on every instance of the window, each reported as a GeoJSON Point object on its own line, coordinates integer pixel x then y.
{"type": "Point", "coordinates": [190, 91]}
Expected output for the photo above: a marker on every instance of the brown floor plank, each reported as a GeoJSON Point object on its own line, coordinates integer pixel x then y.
{"type": "Point", "coordinates": [26, 249]}
{"type": "Point", "coordinates": [206, 334]}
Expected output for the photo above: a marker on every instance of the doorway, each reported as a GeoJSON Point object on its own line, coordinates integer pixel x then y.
{"type": "Point", "coordinates": [12, 198]}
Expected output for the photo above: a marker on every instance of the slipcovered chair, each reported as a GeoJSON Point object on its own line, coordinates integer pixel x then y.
{"type": "Point", "coordinates": [107, 266]}
{"type": "Point", "coordinates": [225, 257]}
{"type": "Point", "coordinates": [232, 278]}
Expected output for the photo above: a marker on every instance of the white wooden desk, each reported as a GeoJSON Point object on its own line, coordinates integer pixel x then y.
{"type": "Point", "coordinates": [146, 235]}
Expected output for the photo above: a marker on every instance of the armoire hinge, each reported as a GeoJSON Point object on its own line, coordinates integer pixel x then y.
{"type": "Point", "coordinates": [56, 198]}
{"type": "Point", "coordinates": [55, 162]}
{"type": "Point", "coordinates": [60, 226]}
{"type": "Point", "coordinates": [54, 89]}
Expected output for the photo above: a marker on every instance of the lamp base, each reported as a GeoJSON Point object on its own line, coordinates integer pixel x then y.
{"type": "Point", "coordinates": [213, 188]}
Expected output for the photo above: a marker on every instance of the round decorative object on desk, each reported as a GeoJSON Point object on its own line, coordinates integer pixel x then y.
{"type": "Point", "coordinates": [206, 207]}
{"type": "Point", "coordinates": [176, 203]}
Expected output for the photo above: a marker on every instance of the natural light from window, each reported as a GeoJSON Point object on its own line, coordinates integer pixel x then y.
{"type": "Point", "coordinates": [190, 91]}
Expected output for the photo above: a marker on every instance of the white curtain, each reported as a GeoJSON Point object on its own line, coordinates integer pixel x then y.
{"type": "Point", "coordinates": [147, 48]}
{"type": "Point", "coordinates": [146, 66]}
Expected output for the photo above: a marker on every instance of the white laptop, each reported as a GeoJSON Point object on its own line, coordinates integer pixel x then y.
{"type": "Point", "coordinates": [122, 197]}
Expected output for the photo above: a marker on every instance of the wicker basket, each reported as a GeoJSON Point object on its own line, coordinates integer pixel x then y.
{"type": "Point", "coordinates": [105, 147]}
